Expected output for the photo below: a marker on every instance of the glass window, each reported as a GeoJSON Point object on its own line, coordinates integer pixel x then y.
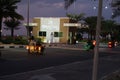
{"type": "Point", "coordinates": [58, 34]}
{"type": "Point", "coordinates": [42, 33]}
{"type": "Point", "coordinates": [55, 34]}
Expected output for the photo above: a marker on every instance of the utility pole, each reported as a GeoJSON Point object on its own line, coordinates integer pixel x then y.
{"type": "Point", "coordinates": [27, 26]}
{"type": "Point", "coordinates": [96, 50]}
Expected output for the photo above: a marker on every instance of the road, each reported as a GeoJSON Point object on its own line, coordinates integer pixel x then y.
{"type": "Point", "coordinates": [16, 60]}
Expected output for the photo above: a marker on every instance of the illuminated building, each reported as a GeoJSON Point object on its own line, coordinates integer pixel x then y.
{"type": "Point", "coordinates": [54, 29]}
{"type": "Point", "coordinates": [51, 29]}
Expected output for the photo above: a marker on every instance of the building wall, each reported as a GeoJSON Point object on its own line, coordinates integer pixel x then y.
{"type": "Point", "coordinates": [51, 25]}
{"type": "Point", "coordinates": [36, 28]}
{"type": "Point", "coordinates": [64, 29]}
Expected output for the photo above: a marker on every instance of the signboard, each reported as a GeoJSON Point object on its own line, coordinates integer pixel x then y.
{"type": "Point", "coordinates": [30, 24]}
{"type": "Point", "coordinates": [72, 24]}
{"type": "Point", "coordinates": [75, 25]}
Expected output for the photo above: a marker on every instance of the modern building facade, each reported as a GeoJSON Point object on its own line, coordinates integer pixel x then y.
{"type": "Point", "coordinates": [51, 29]}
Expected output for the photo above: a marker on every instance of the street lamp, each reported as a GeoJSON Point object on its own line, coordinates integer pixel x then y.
{"type": "Point", "coordinates": [106, 7]}
{"type": "Point", "coordinates": [27, 26]}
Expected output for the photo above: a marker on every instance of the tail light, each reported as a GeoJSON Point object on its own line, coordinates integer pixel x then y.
{"type": "Point", "coordinates": [110, 44]}
{"type": "Point", "coordinates": [94, 42]}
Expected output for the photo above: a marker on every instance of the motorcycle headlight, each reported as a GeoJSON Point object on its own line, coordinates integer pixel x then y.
{"type": "Point", "coordinates": [27, 47]}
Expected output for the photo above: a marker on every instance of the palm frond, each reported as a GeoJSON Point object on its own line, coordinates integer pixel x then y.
{"type": "Point", "coordinates": [12, 23]}
{"type": "Point", "coordinates": [68, 3]}
{"type": "Point", "coordinates": [115, 4]}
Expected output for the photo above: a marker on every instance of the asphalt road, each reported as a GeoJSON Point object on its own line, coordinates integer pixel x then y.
{"type": "Point", "coordinates": [17, 60]}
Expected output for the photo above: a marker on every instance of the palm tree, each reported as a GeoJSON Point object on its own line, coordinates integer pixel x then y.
{"type": "Point", "coordinates": [108, 27]}
{"type": "Point", "coordinates": [76, 17]}
{"type": "Point", "coordinates": [116, 11]}
{"type": "Point", "coordinates": [91, 21]}
{"type": "Point", "coordinates": [116, 8]}
{"type": "Point", "coordinates": [68, 3]}
{"type": "Point", "coordinates": [7, 9]}
{"type": "Point", "coordinates": [117, 33]}
{"type": "Point", "coordinates": [12, 24]}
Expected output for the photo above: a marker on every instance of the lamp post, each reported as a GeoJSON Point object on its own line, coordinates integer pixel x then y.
{"type": "Point", "coordinates": [96, 50]}
{"type": "Point", "coordinates": [27, 26]}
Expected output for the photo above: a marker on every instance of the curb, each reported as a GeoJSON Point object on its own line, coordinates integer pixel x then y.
{"type": "Point", "coordinates": [11, 46]}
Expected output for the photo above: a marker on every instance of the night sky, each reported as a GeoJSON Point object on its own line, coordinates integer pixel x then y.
{"type": "Point", "coordinates": [55, 8]}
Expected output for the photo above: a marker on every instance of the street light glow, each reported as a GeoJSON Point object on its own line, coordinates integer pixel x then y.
{"type": "Point", "coordinates": [106, 7]}
{"type": "Point", "coordinates": [94, 7]}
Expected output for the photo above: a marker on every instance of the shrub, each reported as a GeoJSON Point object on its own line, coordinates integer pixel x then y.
{"type": "Point", "coordinates": [7, 40]}
{"type": "Point", "coordinates": [15, 40]}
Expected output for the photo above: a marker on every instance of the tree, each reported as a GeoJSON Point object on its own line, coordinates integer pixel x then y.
{"type": "Point", "coordinates": [115, 4]}
{"type": "Point", "coordinates": [12, 24]}
{"type": "Point", "coordinates": [108, 27]}
{"type": "Point", "coordinates": [7, 9]}
{"type": "Point", "coordinates": [76, 17]}
{"type": "Point", "coordinates": [68, 3]}
{"type": "Point", "coordinates": [117, 32]}
{"type": "Point", "coordinates": [91, 21]}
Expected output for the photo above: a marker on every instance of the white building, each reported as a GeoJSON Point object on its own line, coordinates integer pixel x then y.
{"type": "Point", "coordinates": [51, 29]}
{"type": "Point", "coordinates": [54, 29]}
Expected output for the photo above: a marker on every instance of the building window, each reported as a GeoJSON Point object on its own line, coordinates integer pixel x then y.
{"type": "Point", "coordinates": [42, 33]}
{"type": "Point", "coordinates": [58, 34]}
